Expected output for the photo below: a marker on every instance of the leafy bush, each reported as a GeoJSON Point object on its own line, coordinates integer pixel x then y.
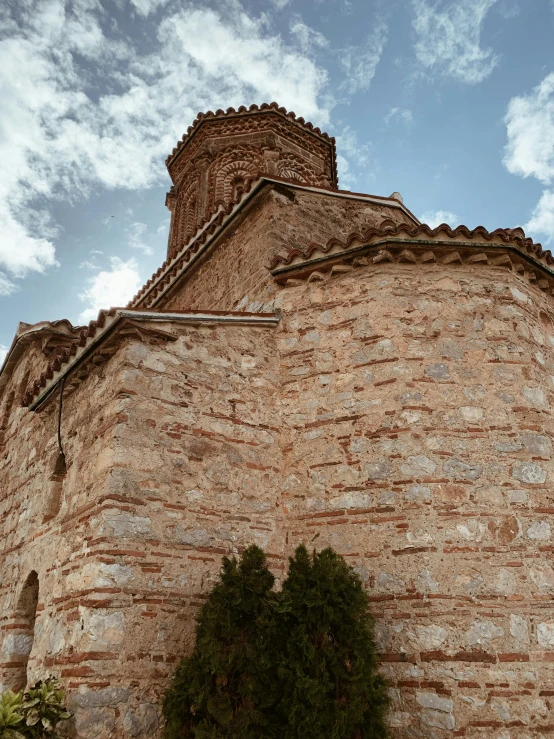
{"type": "Point", "coordinates": [11, 715]}
{"type": "Point", "coordinates": [44, 708]}
{"type": "Point", "coordinates": [35, 714]}
{"type": "Point", "coordinates": [267, 665]}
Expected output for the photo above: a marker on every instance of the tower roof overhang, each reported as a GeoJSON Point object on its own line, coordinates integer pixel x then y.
{"type": "Point", "coordinates": [254, 110]}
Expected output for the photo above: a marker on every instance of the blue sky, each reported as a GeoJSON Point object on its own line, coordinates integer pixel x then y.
{"type": "Point", "coordinates": [449, 102]}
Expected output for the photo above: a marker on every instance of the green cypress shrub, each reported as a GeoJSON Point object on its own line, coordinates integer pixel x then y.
{"type": "Point", "coordinates": [222, 689]}
{"type": "Point", "coordinates": [299, 664]}
{"type": "Point", "coordinates": [328, 666]}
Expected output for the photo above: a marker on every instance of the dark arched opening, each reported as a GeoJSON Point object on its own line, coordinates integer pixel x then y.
{"type": "Point", "coordinates": [24, 632]}
{"type": "Point", "coordinates": [239, 186]}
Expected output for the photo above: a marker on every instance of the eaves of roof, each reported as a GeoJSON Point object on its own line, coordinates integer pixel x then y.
{"type": "Point", "coordinates": [171, 270]}
{"type": "Point", "coordinates": [25, 335]}
{"type": "Point", "coordinates": [108, 323]}
{"type": "Point", "coordinates": [389, 232]}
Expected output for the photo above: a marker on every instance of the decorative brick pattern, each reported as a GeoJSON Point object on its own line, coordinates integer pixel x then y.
{"type": "Point", "coordinates": [224, 153]}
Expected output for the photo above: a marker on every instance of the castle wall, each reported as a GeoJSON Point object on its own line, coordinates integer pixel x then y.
{"type": "Point", "coordinates": [417, 437]}
{"type": "Point", "coordinates": [173, 460]}
{"type": "Point", "coordinates": [234, 273]}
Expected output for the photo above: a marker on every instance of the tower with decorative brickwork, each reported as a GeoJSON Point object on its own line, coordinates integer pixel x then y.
{"type": "Point", "coordinates": [221, 155]}
{"type": "Point", "coordinates": [308, 364]}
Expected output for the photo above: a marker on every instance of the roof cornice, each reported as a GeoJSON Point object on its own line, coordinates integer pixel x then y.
{"type": "Point", "coordinates": [415, 236]}
{"type": "Point", "coordinates": [253, 110]}
{"type": "Point", "coordinates": [27, 334]}
{"type": "Point", "coordinates": [108, 323]}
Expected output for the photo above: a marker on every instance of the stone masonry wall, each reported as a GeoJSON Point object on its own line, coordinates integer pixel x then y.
{"type": "Point", "coordinates": [197, 456]}
{"type": "Point", "coordinates": [172, 462]}
{"type": "Point", "coordinates": [42, 517]}
{"type": "Point", "coordinates": [400, 413]}
{"type": "Point", "coordinates": [234, 276]}
{"type": "Point", "coordinates": [417, 439]}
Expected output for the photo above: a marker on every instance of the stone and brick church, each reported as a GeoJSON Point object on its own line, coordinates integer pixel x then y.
{"type": "Point", "coordinates": [308, 364]}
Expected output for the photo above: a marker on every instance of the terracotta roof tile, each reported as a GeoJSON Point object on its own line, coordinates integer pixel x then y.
{"type": "Point", "coordinates": [204, 231]}
{"type": "Point", "coordinates": [171, 267]}
{"type": "Point", "coordinates": [390, 229]}
{"type": "Point", "coordinates": [243, 110]}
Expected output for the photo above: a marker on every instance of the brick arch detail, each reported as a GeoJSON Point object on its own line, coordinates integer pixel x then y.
{"type": "Point", "coordinates": [291, 167]}
{"type": "Point", "coordinates": [226, 177]}
{"type": "Point", "coordinates": [187, 212]}
{"type": "Point", "coordinates": [241, 161]}
{"type": "Point", "coordinates": [19, 634]}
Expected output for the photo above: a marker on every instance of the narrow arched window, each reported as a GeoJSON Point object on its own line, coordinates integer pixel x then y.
{"type": "Point", "coordinates": [24, 632]}
{"type": "Point", "coordinates": [239, 186]}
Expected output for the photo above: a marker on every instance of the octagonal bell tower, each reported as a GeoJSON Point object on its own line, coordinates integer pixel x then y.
{"type": "Point", "coordinates": [222, 153]}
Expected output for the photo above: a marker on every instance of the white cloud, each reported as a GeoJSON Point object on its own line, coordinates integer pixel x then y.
{"type": "Point", "coordinates": [542, 218]}
{"type": "Point", "coordinates": [353, 155]}
{"type": "Point", "coordinates": [529, 151]}
{"type": "Point", "coordinates": [231, 60]}
{"type": "Point", "coordinates": [348, 143]}
{"type": "Point", "coordinates": [7, 287]}
{"type": "Point", "coordinates": [110, 289]}
{"type": "Point", "coordinates": [530, 128]}
{"type": "Point", "coordinates": [434, 218]}
{"type": "Point", "coordinates": [308, 39]}
{"type": "Point", "coordinates": [93, 111]}
{"type": "Point", "coordinates": [510, 9]}
{"type": "Point", "coordinates": [21, 251]}
{"type": "Point", "coordinates": [146, 7]}
{"type": "Point", "coordinates": [136, 233]}
{"type": "Point", "coordinates": [360, 62]}
{"type": "Point", "coordinates": [281, 4]}
{"type": "Point", "coordinates": [448, 38]}
{"type": "Point", "coordinates": [400, 115]}
{"type": "Point", "coordinates": [3, 352]}
{"type": "Point", "coordinates": [347, 179]}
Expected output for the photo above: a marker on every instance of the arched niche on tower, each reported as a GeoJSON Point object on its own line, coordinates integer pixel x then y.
{"type": "Point", "coordinates": [231, 172]}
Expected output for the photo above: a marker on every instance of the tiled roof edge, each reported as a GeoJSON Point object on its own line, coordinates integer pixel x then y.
{"type": "Point", "coordinates": [389, 228]}
{"type": "Point", "coordinates": [27, 333]}
{"type": "Point", "coordinates": [170, 269]}
{"type": "Point", "coordinates": [204, 231]}
{"type": "Point", "coordinates": [243, 110]}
